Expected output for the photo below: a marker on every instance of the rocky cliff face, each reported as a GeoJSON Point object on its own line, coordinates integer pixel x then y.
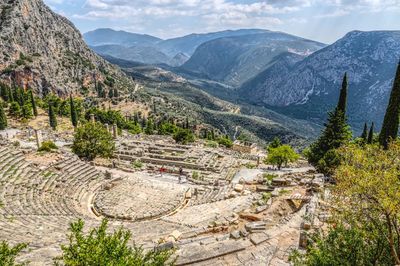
{"type": "Point", "coordinates": [44, 51]}
{"type": "Point", "coordinates": [310, 87]}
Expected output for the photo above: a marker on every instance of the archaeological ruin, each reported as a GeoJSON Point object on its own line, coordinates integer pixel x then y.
{"type": "Point", "coordinates": [201, 201]}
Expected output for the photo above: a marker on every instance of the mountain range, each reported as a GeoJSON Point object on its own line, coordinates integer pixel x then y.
{"type": "Point", "coordinates": [297, 77]}
{"type": "Point", "coordinates": [174, 52]}
{"type": "Point", "coordinates": [308, 88]}
{"type": "Point", "coordinates": [44, 51]}
{"type": "Point", "coordinates": [283, 83]}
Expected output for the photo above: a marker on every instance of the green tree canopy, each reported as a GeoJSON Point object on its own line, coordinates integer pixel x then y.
{"type": "Point", "coordinates": [101, 248]}
{"type": "Point", "coordinates": [275, 143]}
{"type": "Point", "coordinates": [225, 141]}
{"type": "Point", "coordinates": [281, 155]}
{"type": "Point", "coordinates": [183, 136]}
{"type": "Point", "coordinates": [92, 140]}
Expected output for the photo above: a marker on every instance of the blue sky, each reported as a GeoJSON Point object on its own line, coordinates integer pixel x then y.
{"type": "Point", "coordinates": [321, 20]}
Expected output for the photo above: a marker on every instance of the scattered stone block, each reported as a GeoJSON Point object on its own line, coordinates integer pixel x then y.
{"type": "Point", "coordinates": [259, 238]}
{"type": "Point", "coordinates": [176, 234]}
{"type": "Point", "coordinates": [306, 225]}
{"type": "Point", "coordinates": [261, 208]}
{"type": "Point", "coordinates": [256, 226]}
{"type": "Point", "coordinates": [303, 239]}
{"type": "Point", "coordinates": [165, 246]}
{"type": "Point", "coordinates": [275, 193]}
{"type": "Point", "coordinates": [222, 237]}
{"type": "Point", "coordinates": [244, 232]}
{"type": "Point", "coordinates": [207, 241]}
{"type": "Point", "coordinates": [264, 189]}
{"type": "Point", "coordinates": [280, 182]}
{"type": "Point", "coordinates": [235, 234]}
{"type": "Point", "coordinates": [250, 216]}
{"type": "Point", "coordinates": [238, 188]}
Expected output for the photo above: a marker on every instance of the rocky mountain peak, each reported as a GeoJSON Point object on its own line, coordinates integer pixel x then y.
{"type": "Point", "coordinates": [44, 51]}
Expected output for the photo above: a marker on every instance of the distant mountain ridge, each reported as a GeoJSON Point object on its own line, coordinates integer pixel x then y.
{"type": "Point", "coordinates": [174, 52]}
{"type": "Point", "coordinates": [310, 87]}
{"type": "Point", "coordinates": [235, 60]}
{"type": "Point", "coordinates": [111, 37]}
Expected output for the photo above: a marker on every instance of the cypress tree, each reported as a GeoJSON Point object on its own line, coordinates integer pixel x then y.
{"type": "Point", "coordinates": [3, 118]}
{"type": "Point", "coordinates": [343, 95]}
{"type": "Point", "coordinates": [52, 118]}
{"type": "Point", "coordinates": [20, 96]}
{"type": "Point", "coordinates": [336, 133]}
{"type": "Point", "coordinates": [111, 93]}
{"type": "Point", "coordinates": [371, 134]}
{"type": "Point", "coordinates": [33, 102]}
{"type": "Point", "coordinates": [74, 116]}
{"type": "Point", "coordinates": [4, 92]}
{"type": "Point", "coordinates": [187, 123]}
{"type": "Point", "coordinates": [10, 95]}
{"type": "Point", "coordinates": [364, 135]}
{"type": "Point", "coordinates": [390, 124]}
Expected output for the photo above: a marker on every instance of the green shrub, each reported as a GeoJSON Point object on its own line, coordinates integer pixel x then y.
{"type": "Point", "coordinates": [266, 196]}
{"type": "Point", "coordinates": [250, 166]}
{"type": "Point", "coordinates": [8, 254]}
{"type": "Point", "coordinates": [268, 177]}
{"type": "Point", "coordinates": [183, 136]}
{"type": "Point", "coordinates": [211, 144]}
{"type": "Point", "coordinates": [137, 164]}
{"type": "Point", "coordinates": [98, 247]}
{"type": "Point", "coordinates": [225, 141]}
{"type": "Point", "coordinates": [48, 146]}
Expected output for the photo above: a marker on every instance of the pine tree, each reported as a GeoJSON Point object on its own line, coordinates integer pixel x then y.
{"type": "Point", "coordinates": [74, 116]}
{"type": "Point", "coordinates": [3, 118]}
{"type": "Point", "coordinates": [371, 134]}
{"type": "Point", "coordinates": [390, 124]}
{"type": "Point", "coordinates": [33, 103]}
{"type": "Point", "coordinates": [343, 96]}
{"type": "Point", "coordinates": [52, 118]}
{"type": "Point", "coordinates": [364, 135]}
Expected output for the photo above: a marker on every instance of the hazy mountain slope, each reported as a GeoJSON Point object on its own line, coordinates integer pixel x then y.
{"type": "Point", "coordinates": [110, 36]}
{"type": "Point", "coordinates": [142, 54]}
{"type": "Point", "coordinates": [311, 87]}
{"type": "Point", "coordinates": [260, 123]}
{"type": "Point", "coordinates": [188, 44]}
{"type": "Point", "coordinates": [275, 73]}
{"type": "Point", "coordinates": [152, 50]}
{"type": "Point", "coordinates": [234, 60]}
{"type": "Point", "coordinates": [44, 51]}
